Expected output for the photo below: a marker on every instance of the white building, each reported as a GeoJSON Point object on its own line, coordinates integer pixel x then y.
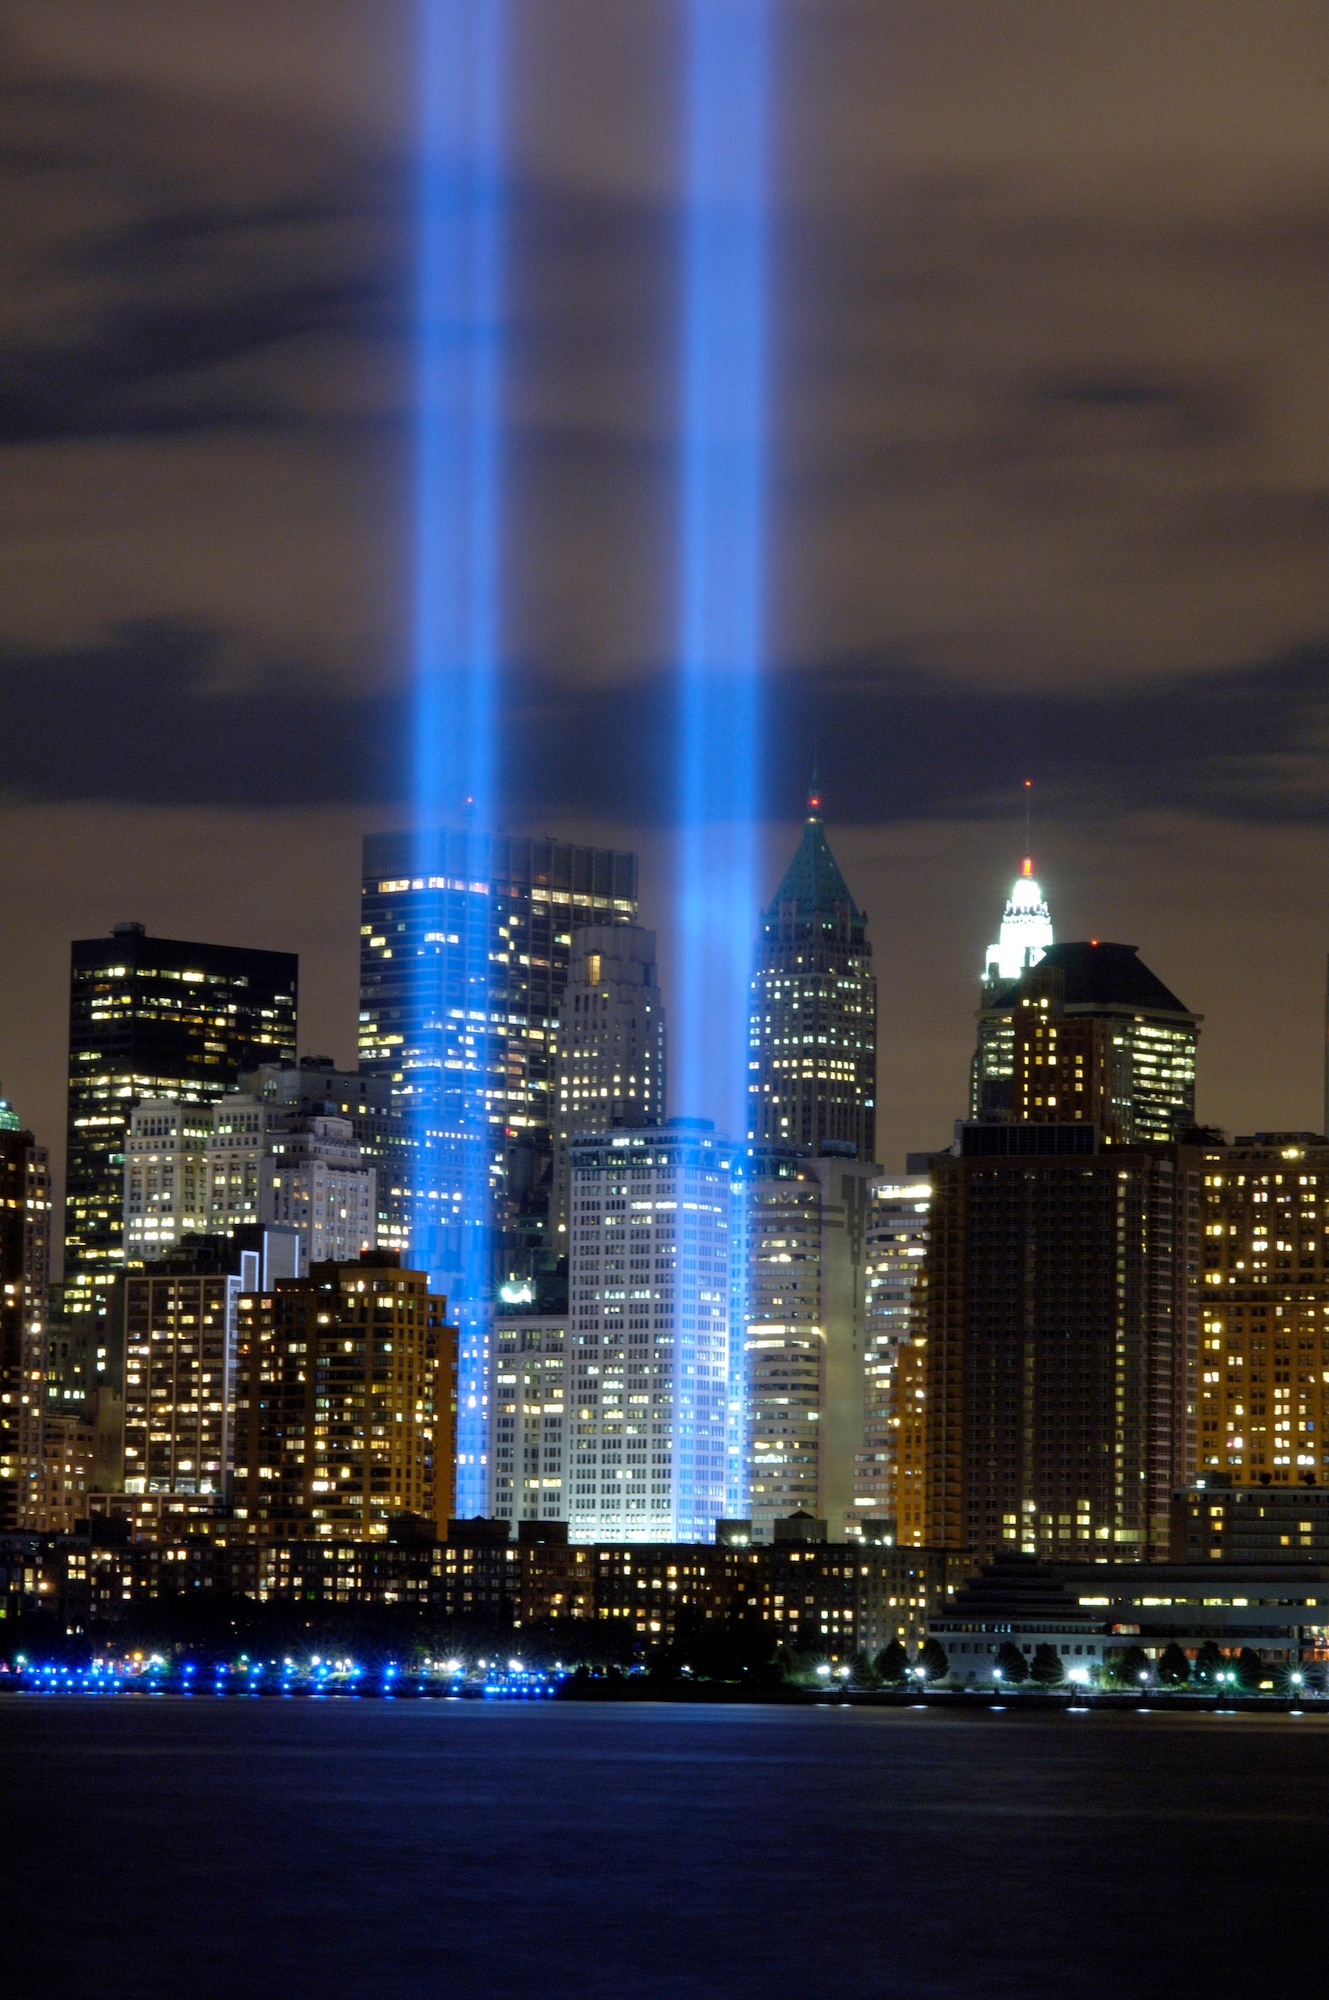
{"type": "Point", "coordinates": [210, 1169]}
{"type": "Point", "coordinates": [897, 1241]}
{"type": "Point", "coordinates": [806, 1233]}
{"type": "Point", "coordinates": [648, 1334]}
{"type": "Point", "coordinates": [1026, 931]}
{"type": "Point", "coordinates": [529, 1431]}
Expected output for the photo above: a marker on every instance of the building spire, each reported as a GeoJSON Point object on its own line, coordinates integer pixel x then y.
{"type": "Point", "coordinates": [814, 792]}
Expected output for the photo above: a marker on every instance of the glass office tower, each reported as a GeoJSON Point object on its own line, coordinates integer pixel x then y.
{"type": "Point", "coordinates": [464, 951]}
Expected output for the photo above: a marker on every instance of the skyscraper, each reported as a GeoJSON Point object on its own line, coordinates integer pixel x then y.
{"type": "Point", "coordinates": [897, 1239]}
{"type": "Point", "coordinates": [1056, 1374]}
{"type": "Point", "coordinates": [812, 1051]}
{"type": "Point", "coordinates": [153, 1017]}
{"type": "Point", "coordinates": [462, 970]}
{"type": "Point", "coordinates": [806, 1251]}
{"type": "Point", "coordinates": [25, 1247]}
{"type": "Point", "coordinates": [1264, 1369]}
{"type": "Point", "coordinates": [1148, 1034]}
{"type": "Point", "coordinates": [611, 1043]}
{"type": "Point", "coordinates": [648, 1334]}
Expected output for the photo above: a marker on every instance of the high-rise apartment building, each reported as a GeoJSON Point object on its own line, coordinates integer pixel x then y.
{"type": "Point", "coordinates": [610, 1069]}
{"type": "Point", "coordinates": [347, 1402]}
{"type": "Point", "coordinates": [180, 1379]}
{"type": "Point", "coordinates": [648, 1334]}
{"type": "Point", "coordinates": [25, 1250]}
{"type": "Point", "coordinates": [1264, 1334]}
{"type": "Point", "coordinates": [806, 1250]}
{"type": "Point", "coordinates": [897, 1240]}
{"type": "Point", "coordinates": [153, 1017]}
{"type": "Point", "coordinates": [528, 1470]}
{"type": "Point", "coordinates": [812, 1052]}
{"type": "Point", "coordinates": [242, 1160]}
{"type": "Point", "coordinates": [1153, 1041]}
{"type": "Point", "coordinates": [1057, 1370]}
{"type": "Point", "coordinates": [465, 947]}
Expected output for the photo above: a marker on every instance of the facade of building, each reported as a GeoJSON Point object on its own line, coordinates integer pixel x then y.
{"type": "Point", "coordinates": [315, 1088]}
{"type": "Point", "coordinates": [25, 1255]}
{"type": "Point", "coordinates": [465, 946]}
{"type": "Point", "coordinates": [812, 1054]}
{"type": "Point", "coordinates": [180, 1381]}
{"type": "Point", "coordinates": [896, 1277]}
{"type": "Point", "coordinates": [528, 1465]}
{"type": "Point", "coordinates": [153, 1018]}
{"type": "Point", "coordinates": [1216, 1520]}
{"type": "Point", "coordinates": [806, 1251]}
{"type": "Point", "coordinates": [610, 1068]}
{"type": "Point", "coordinates": [1056, 1378]}
{"type": "Point", "coordinates": [648, 1354]}
{"type": "Point", "coordinates": [212, 1169]}
{"type": "Point", "coordinates": [1264, 1387]}
{"type": "Point", "coordinates": [346, 1403]}
{"type": "Point", "coordinates": [1153, 1042]}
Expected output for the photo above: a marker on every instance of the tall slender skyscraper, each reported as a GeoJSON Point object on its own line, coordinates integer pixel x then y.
{"type": "Point", "coordinates": [812, 1042]}
{"type": "Point", "coordinates": [154, 1017]}
{"type": "Point", "coordinates": [611, 1043]}
{"type": "Point", "coordinates": [464, 957]}
{"type": "Point", "coordinates": [1053, 1387]}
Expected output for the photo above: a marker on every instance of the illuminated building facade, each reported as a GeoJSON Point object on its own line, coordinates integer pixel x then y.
{"type": "Point", "coordinates": [346, 1402]}
{"type": "Point", "coordinates": [648, 1334]}
{"type": "Point", "coordinates": [1057, 1372]}
{"type": "Point", "coordinates": [214, 1168]}
{"type": "Point", "coordinates": [1153, 1044]}
{"type": "Point", "coordinates": [812, 1038]}
{"type": "Point", "coordinates": [315, 1088]}
{"type": "Point", "coordinates": [529, 1441]}
{"type": "Point", "coordinates": [611, 1042]}
{"type": "Point", "coordinates": [464, 958]}
{"type": "Point", "coordinates": [806, 1250]}
{"type": "Point", "coordinates": [25, 1255]}
{"type": "Point", "coordinates": [1264, 1363]}
{"type": "Point", "coordinates": [153, 1017]}
{"type": "Point", "coordinates": [896, 1279]}
{"type": "Point", "coordinates": [1025, 935]}
{"type": "Point", "coordinates": [179, 1381]}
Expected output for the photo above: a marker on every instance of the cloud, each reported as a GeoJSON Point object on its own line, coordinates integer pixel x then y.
{"type": "Point", "coordinates": [163, 713]}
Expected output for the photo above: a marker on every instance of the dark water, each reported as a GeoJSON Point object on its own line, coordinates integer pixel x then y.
{"type": "Point", "coordinates": [333, 1850]}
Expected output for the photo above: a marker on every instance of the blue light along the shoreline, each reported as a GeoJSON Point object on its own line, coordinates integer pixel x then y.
{"type": "Point", "coordinates": [456, 654]}
{"type": "Point", "coordinates": [722, 585]}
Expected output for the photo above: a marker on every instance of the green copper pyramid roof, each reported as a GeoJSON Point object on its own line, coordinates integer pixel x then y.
{"type": "Point", "coordinates": [813, 879]}
{"type": "Point", "coordinates": [9, 1118]}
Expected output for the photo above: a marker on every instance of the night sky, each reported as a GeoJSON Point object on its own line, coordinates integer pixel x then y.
{"type": "Point", "coordinates": [1050, 487]}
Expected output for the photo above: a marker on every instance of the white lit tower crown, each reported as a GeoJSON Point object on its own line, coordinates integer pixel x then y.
{"type": "Point", "coordinates": [1026, 931]}
{"type": "Point", "coordinates": [1025, 936]}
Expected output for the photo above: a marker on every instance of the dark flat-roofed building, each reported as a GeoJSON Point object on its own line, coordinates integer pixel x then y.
{"type": "Point", "coordinates": [154, 1017]}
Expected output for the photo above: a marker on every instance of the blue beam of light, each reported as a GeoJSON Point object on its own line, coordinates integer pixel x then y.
{"type": "Point", "coordinates": [723, 533]}
{"type": "Point", "coordinates": [456, 667]}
